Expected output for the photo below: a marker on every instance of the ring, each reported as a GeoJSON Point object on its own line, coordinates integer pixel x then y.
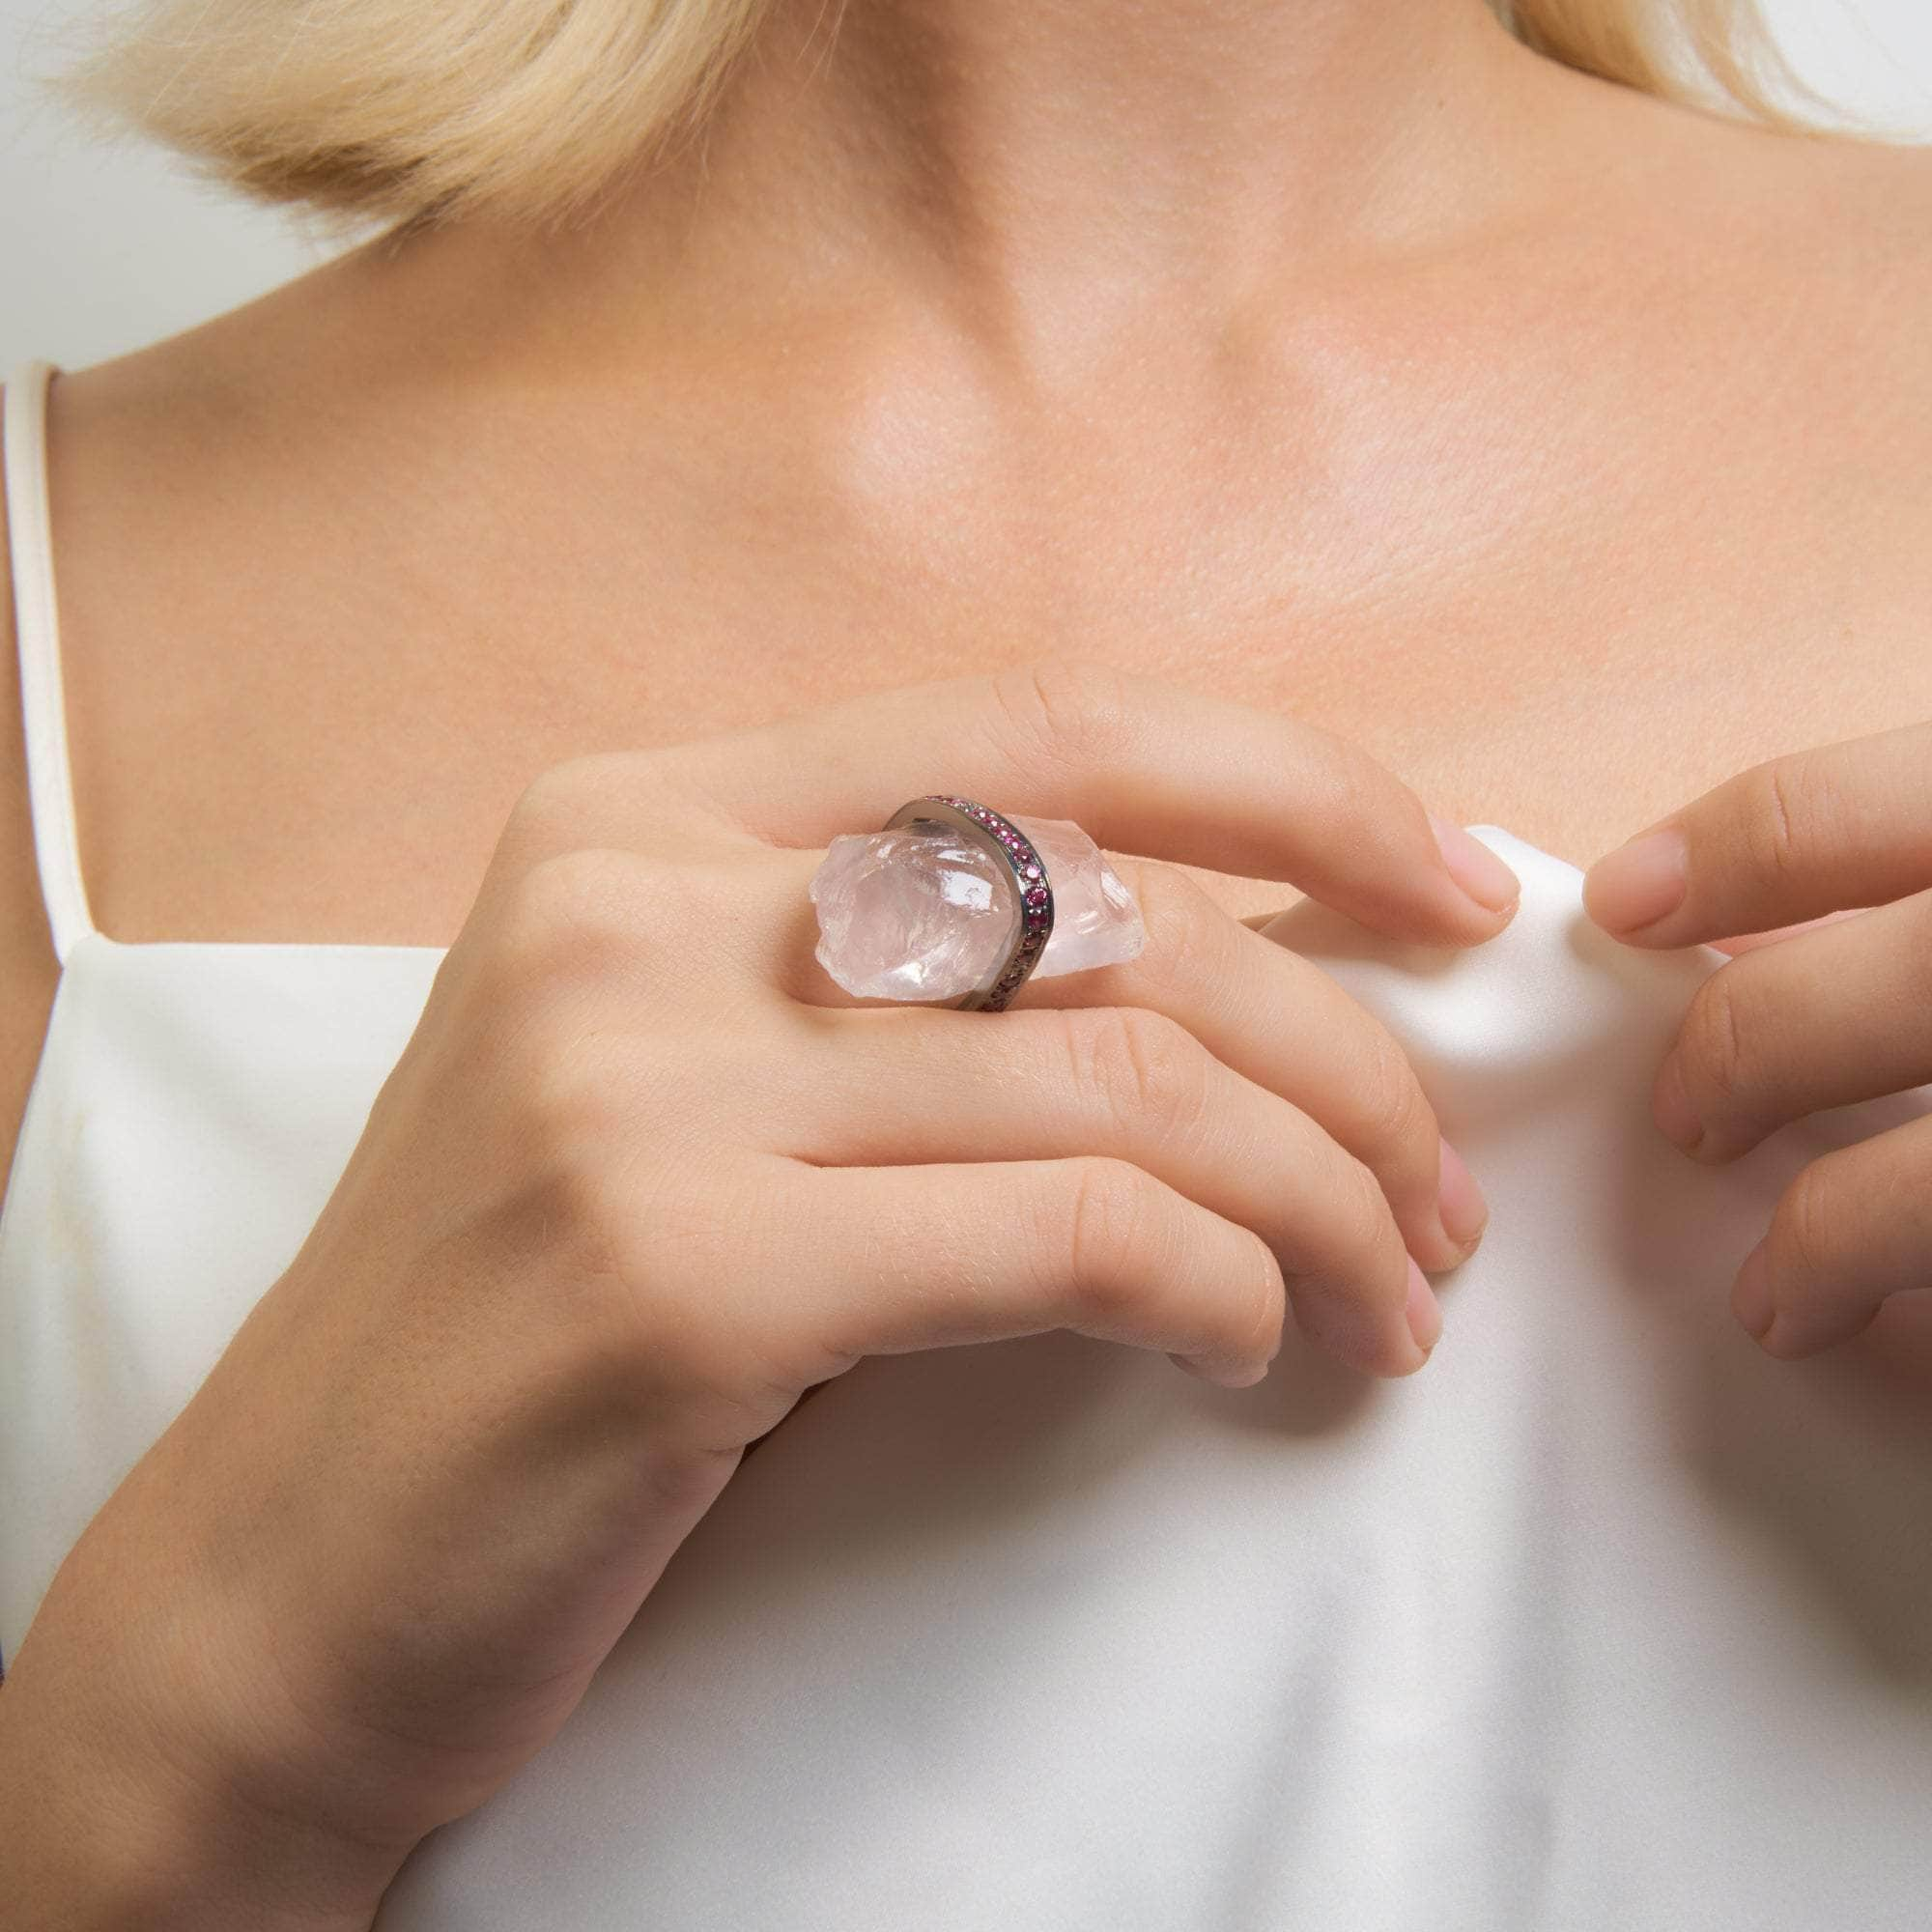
{"type": "Point", "coordinates": [998, 834]}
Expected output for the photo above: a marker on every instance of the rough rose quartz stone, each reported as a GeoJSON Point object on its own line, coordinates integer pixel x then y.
{"type": "Point", "coordinates": [926, 913]}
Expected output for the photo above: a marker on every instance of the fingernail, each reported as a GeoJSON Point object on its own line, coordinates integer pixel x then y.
{"type": "Point", "coordinates": [1424, 1311]}
{"type": "Point", "coordinates": [1671, 1109]}
{"type": "Point", "coordinates": [1459, 1203]}
{"type": "Point", "coordinates": [1637, 884]}
{"type": "Point", "coordinates": [1475, 867]}
{"type": "Point", "coordinates": [1751, 1294]}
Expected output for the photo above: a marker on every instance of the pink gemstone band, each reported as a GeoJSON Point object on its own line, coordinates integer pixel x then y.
{"type": "Point", "coordinates": [1000, 835]}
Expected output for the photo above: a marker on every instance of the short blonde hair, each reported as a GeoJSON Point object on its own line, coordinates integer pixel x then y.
{"type": "Point", "coordinates": [377, 110]}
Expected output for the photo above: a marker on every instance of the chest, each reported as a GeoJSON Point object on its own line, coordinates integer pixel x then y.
{"type": "Point", "coordinates": [1540, 617]}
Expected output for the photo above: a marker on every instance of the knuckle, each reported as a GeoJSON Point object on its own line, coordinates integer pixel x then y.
{"type": "Point", "coordinates": [1804, 1225]}
{"type": "Point", "coordinates": [662, 1269]}
{"type": "Point", "coordinates": [1101, 1228]}
{"type": "Point", "coordinates": [1363, 1218]}
{"type": "Point", "coordinates": [563, 1082]}
{"type": "Point", "coordinates": [1144, 1068]}
{"type": "Point", "coordinates": [1063, 709]}
{"type": "Point", "coordinates": [1792, 809]}
{"type": "Point", "coordinates": [664, 1229]}
{"type": "Point", "coordinates": [1714, 1041]}
{"type": "Point", "coordinates": [566, 1214]}
{"type": "Point", "coordinates": [1337, 1258]}
{"type": "Point", "coordinates": [1390, 1099]}
{"type": "Point", "coordinates": [1343, 791]}
{"type": "Point", "coordinates": [1917, 950]}
{"type": "Point", "coordinates": [571, 1127]}
{"type": "Point", "coordinates": [1180, 920]}
{"type": "Point", "coordinates": [549, 809]}
{"type": "Point", "coordinates": [579, 906]}
{"type": "Point", "coordinates": [641, 790]}
{"type": "Point", "coordinates": [583, 1213]}
{"type": "Point", "coordinates": [1261, 1308]}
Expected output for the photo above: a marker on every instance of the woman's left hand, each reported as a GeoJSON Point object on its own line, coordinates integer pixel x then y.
{"type": "Point", "coordinates": [1838, 1011]}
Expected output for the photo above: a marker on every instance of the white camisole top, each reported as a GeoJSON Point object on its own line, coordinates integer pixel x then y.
{"type": "Point", "coordinates": [1603, 1620]}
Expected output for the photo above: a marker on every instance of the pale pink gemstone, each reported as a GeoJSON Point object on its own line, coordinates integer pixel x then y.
{"type": "Point", "coordinates": [916, 914]}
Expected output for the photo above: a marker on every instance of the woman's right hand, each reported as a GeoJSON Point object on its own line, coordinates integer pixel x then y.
{"type": "Point", "coordinates": [644, 1175]}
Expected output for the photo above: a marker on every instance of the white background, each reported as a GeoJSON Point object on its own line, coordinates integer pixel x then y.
{"type": "Point", "coordinates": [105, 247]}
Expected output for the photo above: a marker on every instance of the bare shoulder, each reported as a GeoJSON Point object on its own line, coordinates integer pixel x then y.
{"type": "Point", "coordinates": [1822, 219]}
{"type": "Point", "coordinates": [1883, 193]}
{"type": "Point", "coordinates": [1783, 280]}
{"type": "Point", "coordinates": [1814, 259]}
{"type": "Point", "coordinates": [1869, 214]}
{"type": "Point", "coordinates": [1844, 227]}
{"type": "Point", "coordinates": [28, 968]}
{"type": "Point", "coordinates": [1851, 235]}
{"type": "Point", "coordinates": [1844, 366]}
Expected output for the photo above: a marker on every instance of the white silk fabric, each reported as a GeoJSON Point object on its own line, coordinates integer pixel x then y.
{"type": "Point", "coordinates": [1603, 1620]}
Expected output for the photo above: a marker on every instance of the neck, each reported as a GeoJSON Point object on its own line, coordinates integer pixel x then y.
{"type": "Point", "coordinates": [1051, 173]}
{"type": "Point", "coordinates": [1160, 135]}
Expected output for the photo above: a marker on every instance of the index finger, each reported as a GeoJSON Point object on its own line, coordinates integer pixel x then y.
{"type": "Point", "coordinates": [1143, 765]}
{"type": "Point", "coordinates": [1845, 826]}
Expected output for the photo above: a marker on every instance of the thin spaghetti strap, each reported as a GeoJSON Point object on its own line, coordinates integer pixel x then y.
{"type": "Point", "coordinates": [43, 709]}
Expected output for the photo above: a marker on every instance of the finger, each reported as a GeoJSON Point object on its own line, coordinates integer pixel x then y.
{"type": "Point", "coordinates": [1266, 1011]}
{"type": "Point", "coordinates": [1841, 1012]}
{"type": "Point", "coordinates": [1845, 825]}
{"type": "Point", "coordinates": [982, 1251]}
{"type": "Point", "coordinates": [1749, 942]}
{"type": "Point", "coordinates": [917, 1085]}
{"type": "Point", "coordinates": [1854, 1229]}
{"type": "Point", "coordinates": [1143, 765]}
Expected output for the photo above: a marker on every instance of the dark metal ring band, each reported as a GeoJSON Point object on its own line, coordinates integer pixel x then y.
{"type": "Point", "coordinates": [1029, 873]}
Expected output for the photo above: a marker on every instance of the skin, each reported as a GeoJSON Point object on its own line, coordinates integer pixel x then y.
{"type": "Point", "coordinates": [1830, 1010]}
{"type": "Point", "coordinates": [1566, 452]}
{"type": "Point", "coordinates": [570, 1271]}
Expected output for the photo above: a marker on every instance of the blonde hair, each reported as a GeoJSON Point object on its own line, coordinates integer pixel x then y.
{"type": "Point", "coordinates": [373, 110]}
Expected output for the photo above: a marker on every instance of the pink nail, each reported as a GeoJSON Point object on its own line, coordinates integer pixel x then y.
{"type": "Point", "coordinates": [1475, 867]}
{"type": "Point", "coordinates": [1458, 1201]}
{"type": "Point", "coordinates": [1424, 1311]}
{"type": "Point", "coordinates": [1639, 883]}
{"type": "Point", "coordinates": [1751, 1294]}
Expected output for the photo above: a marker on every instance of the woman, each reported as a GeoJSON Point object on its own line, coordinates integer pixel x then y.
{"type": "Point", "coordinates": [1173, 419]}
